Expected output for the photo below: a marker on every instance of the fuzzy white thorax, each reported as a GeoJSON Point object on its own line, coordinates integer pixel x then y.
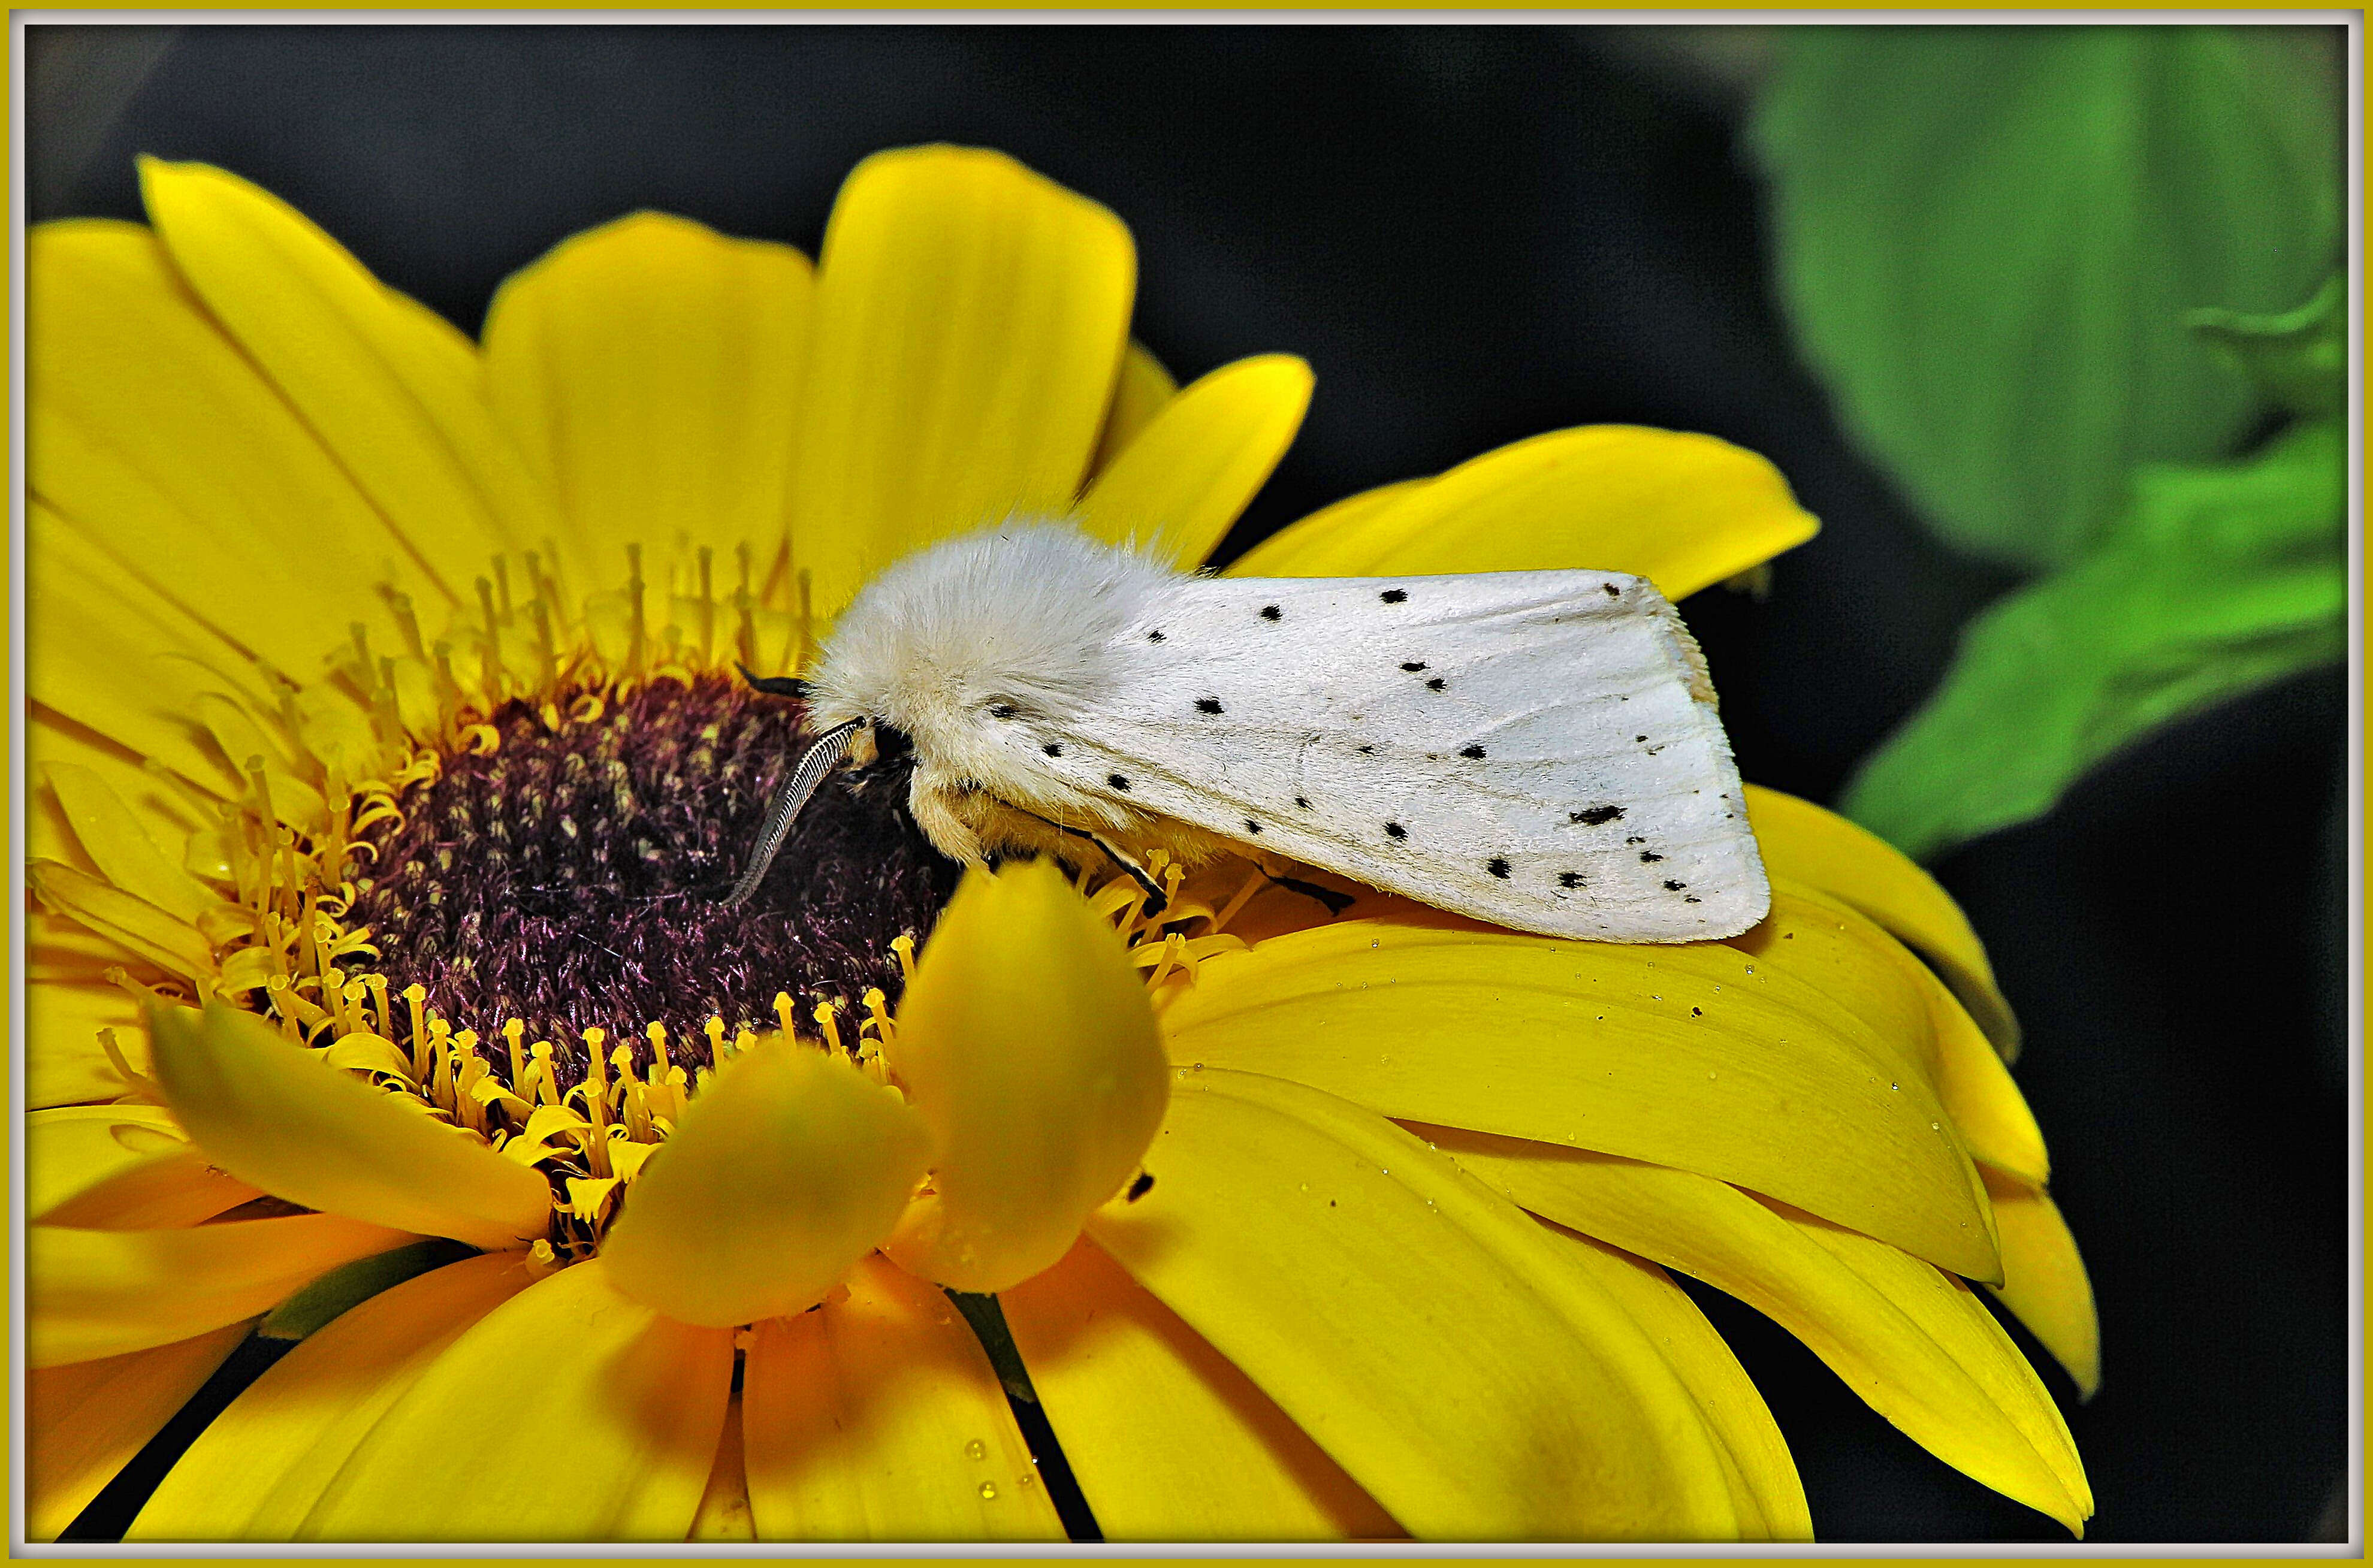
{"type": "Point", "coordinates": [1025, 617]}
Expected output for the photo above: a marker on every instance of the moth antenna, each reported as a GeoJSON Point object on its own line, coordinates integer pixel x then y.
{"type": "Point", "coordinates": [790, 797]}
{"type": "Point", "coordinates": [1156, 900]}
{"type": "Point", "coordinates": [774, 685]}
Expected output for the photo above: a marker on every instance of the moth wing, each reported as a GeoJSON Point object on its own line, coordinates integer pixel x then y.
{"type": "Point", "coordinates": [1537, 749]}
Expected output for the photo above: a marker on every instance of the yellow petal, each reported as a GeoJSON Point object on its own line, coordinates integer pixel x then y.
{"type": "Point", "coordinates": [877, 1417]}
{"type": "Point", "coordinates": [1802, 841]}
{"type": "Point", "coordinates": [269, 1113]}
{"type": "Point", "coordinates": [65, 1064]}
{"type": "Point", "coordinates": [390, 388]}
{"type": "Point", "coordinates": [608, 1435]}
{"type": "Point", "coordinates": [120, 846]}
{"type": "Point", "coordinates": [1029, 1048]}
{"type": "Point", "coordinates": [1138, 395]}
{"type": "Point", "coordinates": [1422, 1330]}
{"type": "Point", "coordinates": [1173, 491]}
{"type": "Point", "coordinates": [260, 1467]}
{"type": "Point", "coordinates": [73, 1148]}
{"type": "Point", "coordinates": [1911, 1340]}
{"type": "Point", "coordinates": [1970, 1077]}
{"type": "Point", "coordinates": [2044, 1283]}
{"type": "Point", "coordinates": [725, 1504]}
{"type": "Point", "coordinates": [1764, 1485]}
{"type": "Point", "coordinates": [92, 1293]}
{"type": "Point", "coordinates": [1684, 511]}
{"type": "Point", "coordinates": [648, 369]}
{"type": "Point", "coordinates": [153, 431]}
{"type": "Point", "coordinates": [1912, 1025]}
{"type": "Point", "coordinates": [1167, 1439]}
{"type": "Point", "coordinates": [140, 927]}
{"type": "Point", "coordinates": [169, 811]}
{"type": "Point", "coordinates": [1692, 1056]}
{"type": "Point", "coordinates": [138, 696]}
{"type": "Point", "coordinates": [790, 1166]}
{"type": "Point", "coordinates": [969, 320]}
{"type": "Point", "coordinates": [84, 1422]}
{"type": "Point", "coordinates": [1309, 548]}
{"type": "Point", "coordinates": [67, 953]}
{"type": "Point", "coordinates": [170, 1189]}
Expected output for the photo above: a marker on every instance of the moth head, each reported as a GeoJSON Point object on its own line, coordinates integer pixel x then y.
{"type": "Point", "coordinates": [975, 645]}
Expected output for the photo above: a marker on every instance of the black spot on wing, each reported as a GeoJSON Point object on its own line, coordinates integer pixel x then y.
{"type": "Point", "coordinates": [1002, 710]}
{"type": "Point", "coordinates": [1414, 665]}
{"type": "Point", "coordinates": [1301, 801]}
{"type": "Point", "coordinates": [1649, 857]}
{"type": "Point", "coordinates": [1437, 684]}
{"type": "Point", "coordinates": [1117, 782]}
{"type": "Point", "coordinates": [1271, 613]}
{"type": "Point", "coordinates": [1251, 827]}
{"type": "Point", "coordinates": [1472, 753]}
{"type": "Point", "coordinates": [1635, 838]}
{"type": "Point", "coordinates": [1497, 867]}
{"type": "Point", "coordinates": [1595, 817]}
{"type": "Point", "coordinates": [1393, 595]}
{"type": "Point", "coordinates": [1208, 705]}
{"type": "Point", "coordinates": [1612, 592]}
{"type": "Point", "coordinates": [1394, 830]}
{"type": "Point", "coordinates": [1155, 636]}
{"type": "Point", "coordinates": [1052, 749]}
{"type": "Point", "coordinates": [1569, 879]}
{"type": "Point", "coordinates": [1671, 886]}
{"type": "Point", "coordinates": [1367, 751]}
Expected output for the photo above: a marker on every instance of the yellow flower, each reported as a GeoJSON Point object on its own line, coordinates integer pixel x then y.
{"type": "Point", "coordinates": [385, 740]}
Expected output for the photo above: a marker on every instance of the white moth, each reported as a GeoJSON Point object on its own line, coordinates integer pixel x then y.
{"type": "Point", "coordinates": [1536, 749]}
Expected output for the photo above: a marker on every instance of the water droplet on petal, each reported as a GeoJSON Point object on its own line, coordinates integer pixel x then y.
{"type": "Point", "coordinates": [989, 1492]}
{"type": "Point", "coordinates": [1935, 1126]}
{"type": "Point", "coordinates": [976, 1449]}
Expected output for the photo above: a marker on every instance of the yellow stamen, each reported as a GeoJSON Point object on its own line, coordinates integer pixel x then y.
{"type": "Point", "coordinates": [877, 1015]}
{"type": "Point", "coordinates": [595, 1090]}
{"type": "Point", "coordinates": [745, 626]}
{"type": "Point", "coordinates": [490, 663]}
{"type": "Point", "coordinates": [807, 619]}
{"type": "Point", "coordinates": [140, 1081]}
{"type": "Point", "coordinates": [1229, 911]}
{"type": "Point", "coordinates": [707, 605]}
{"type": "Point", "coordinates": [638, 638]}
{"type": "Point", "coordinates": [406, 624]}
{"type": "Point", "coordinates": [513, 1030]}
{"type": "Point", "coordinates": [903, 944]}
{"type": "Point", "coordinates": [828, 1019]}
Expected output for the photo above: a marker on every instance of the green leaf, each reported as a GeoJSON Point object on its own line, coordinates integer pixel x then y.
{"type": "Point", "coordinates": [1988, 239]}
{"type": "Point", "coordinates": [2298, 358]}
{"type": "Point", "coordinates": [2216, 578]}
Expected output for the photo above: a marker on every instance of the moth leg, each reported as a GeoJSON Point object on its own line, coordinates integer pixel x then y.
{"type": "Point", "coordinates": [1335, 902]}
{"type": "Point", "coordinates": [1156, 900]}
{"type": "Point", "coordinates": [933, 807]}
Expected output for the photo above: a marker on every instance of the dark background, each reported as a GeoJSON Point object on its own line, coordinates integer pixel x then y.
{"type": "Point", "coordinates": [1474, 234]}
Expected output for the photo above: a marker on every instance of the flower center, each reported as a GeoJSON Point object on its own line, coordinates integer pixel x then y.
{"type": "Point", "coordinates": [567, 867]}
